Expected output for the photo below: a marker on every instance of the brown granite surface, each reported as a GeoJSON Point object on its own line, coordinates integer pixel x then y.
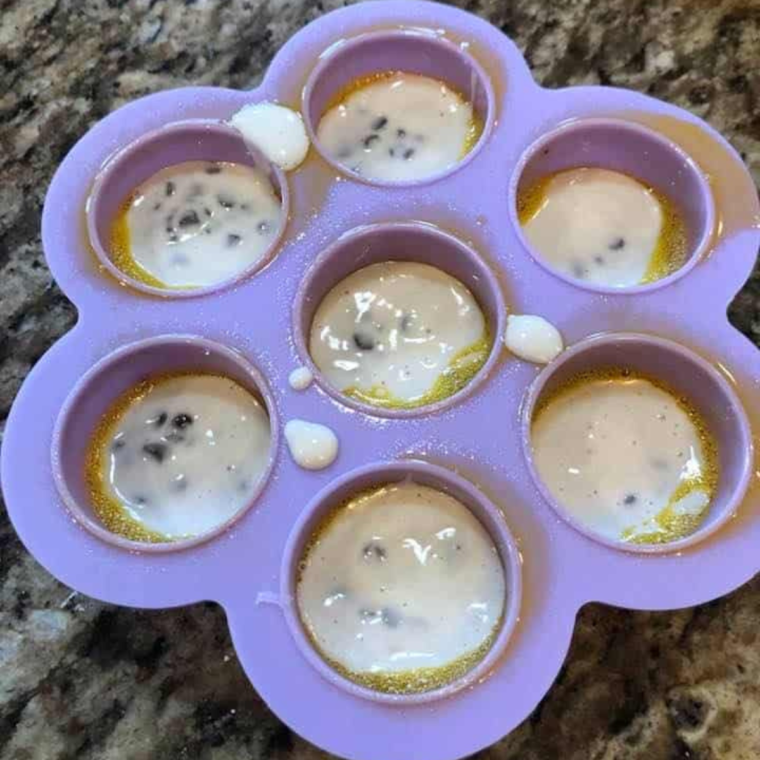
{"type": "Point", "coordinates": [80, 679]}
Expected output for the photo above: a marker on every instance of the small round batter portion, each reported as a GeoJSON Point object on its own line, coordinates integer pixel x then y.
{"type": "Point", "coordinates": [399, 334]}
{"type": "Point", "coordinates": [196, 224]}
{"type": "Point", "coordinates": [626, 457]}
{"type": "Point", "coordinates": [603, 227]}
{"type": "Point", "coordinates": [177, 456]}
{"type": "Point", "coordinates": [398, 127]}
{"type": "Point", "coordinates": [402, 589]}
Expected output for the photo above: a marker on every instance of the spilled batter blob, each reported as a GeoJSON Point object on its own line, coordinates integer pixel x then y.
{"type": "Point", "coordinates": [626, 457]}
{"type": "Point", "coordinates": [196, 224]}
{"type": "Point", "coordinates": [312, 446]}
{"type": "Point", "coordinates": [399, 334]}
{"type": "Point", "coordinates": [603, 227]}
{"type": "Point", "coordinates": [397, 126]}
{"type": "Point", "coordinates": [401, 589]}
{"type": "Point", "coordinates": [533, 338]}
{"type": "Point", "coordinates": [177, 456]}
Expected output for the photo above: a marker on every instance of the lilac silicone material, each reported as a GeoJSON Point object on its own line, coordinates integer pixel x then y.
{"type": "Point", "coordinates": [635, 150]}
{"type": "Point", "coordinates": [480, 438]}
{"type": "Point", "coordinates": [396, 241]}
{"type": "Point", "coordinates": [192, 140]}
{"type": "Point", "coordinates": [690, 377]}
{"type": "Point", "coordinates": [99, 388]}
{"type": "Point", "coordinates": [376, 476]}
{"type": "Point", "coordinates": [417, 51]}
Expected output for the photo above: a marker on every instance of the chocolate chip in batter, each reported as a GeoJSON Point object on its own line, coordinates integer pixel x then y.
{"type": "Point", "coordinates": [408, 153]}
{"type": "Point", "coordinates": [617, 244]}
{"type": "Point", "coordinates": [233, 240]}
{"type": "Point", "coordinates": [189, 219]}
{"type": "Point", "coordinates": [170, 189]}
{"type": "Point", "coordinates": [161, 419]}
{"type": "Point", "coordinates": [156, 451]}
{"type": "Point", "coordinates": [406, 322]}
{"type": "Point", "coordinates": [373, 552]}
{"type": "Point", "coordinates": [263, 227]}
{"type": "Point", "coordinates": [401, 133]}
{"type": "Point", "coordinates": [182, 420]}
{"type": "Point", "coordinates": [213, 169]}
{"type": "Point", "coordinates": [368, 141]}
{"type": "Point", "coordinates": [363, 341]}
{"type": "Point", "coordinates": [225, 201]}
{"type": "Point", "coordinates": [599, 260]}
{"type": "Point", "coordinates": [579, 270]}
{"type": "Point", "coordinates": [630, 499]}
{"type": "Point", "coordinates": [380, 123]}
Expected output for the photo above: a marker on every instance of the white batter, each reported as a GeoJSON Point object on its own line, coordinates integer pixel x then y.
{"type": "Point", "coordinates": [532, 338]}
{"type": "Point", "coordinates": [278, 132]}
{"type": "Point", "coordinates": [625, 458]}
{"type": "Point", "coordinates": [402, 580]}
{"type": "Point", "coordinates": [312, 446]}
{"type": "Point", "coordinates": [300, 378]}
{"type": "Point", "coordinates": [399, 333]}
{"type": "Point", "coordinates": [197, 224]}
{"type": "Point", "coordinates": [399, 127]}
{"type": "Point", "coordinates": [600, 226]}
{"type": "Point", "coordinates": [185, 455]}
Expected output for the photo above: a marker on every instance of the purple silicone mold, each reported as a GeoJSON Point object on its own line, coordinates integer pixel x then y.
{"type": "Point", "coordinates": [376, 476]}
{"type": "Point", "coordinates": [464, 221]}
{"type": "Point", "coordinates": [397, 241]}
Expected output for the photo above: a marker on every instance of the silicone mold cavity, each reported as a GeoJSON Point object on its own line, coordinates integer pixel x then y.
{"type": "Point", "coordinates": [692, 378]}
{"type": "Point", "coordinates": [413, 241]}
{"type": "Point", "coordinates": [125, 368]}
{"type": "Point", "coordinates": [632, 149]}
{"type": "Point", "coordinates": [196, 140]}
{"type": "Point", "coordinates": [376, 476]}
{"type": "Point", "coordinates": [415, 51]}
{"type": "Point", "coordinates": [464, 223]}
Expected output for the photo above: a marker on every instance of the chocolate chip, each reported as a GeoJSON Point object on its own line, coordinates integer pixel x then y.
{"type": "Point", "coordinates": [141, 500]}
{"type": "Point", "coordinates": [406, 322]}
{"type": "Point", "coordinates": [170, 189]}
{"type": "Point", "coordinates": [182, 420]}
{"type": "Point", "coordinates": [401, 133]}
{"type": "Point", "coordinates": [379, 123]}
{"type": "Point", "coordinates": [617, 244]}
{"type": "Point", "coordinates": [156, 451]}
{"type": "Point", "coordinates": [189, 219]}
{"type": "Point", "coordinates": [161, 419]}
{"type": "Point", "coordinates": [363, 341]}
{"type": "Point", "coordinates": [173, 237]}
{"type": "Point", "coordinates": [157, 207]}
{"type": "Point", "coordinates": [374, 552]}
{"type": "Point", "coordinates": [391, 152]}
{"type": "Point", "coordinates": [408, 153]}
{"type": "Point", "coordinates": [599, 260]}
{"type": "Point", "coordinates": [630, 499]}
{"type": "Point", "coordinates": [213, 169]}
{"type": "Point", "coordinates": [225, 201]}
{"type": "Point", "coordinates": [207, 211]}
{"type": "Point", "coordinates": [579, 271]}
{"type": "Point", "coordinates": [233, 239]}
{"type": "Point", "coordinates": [369, 140]}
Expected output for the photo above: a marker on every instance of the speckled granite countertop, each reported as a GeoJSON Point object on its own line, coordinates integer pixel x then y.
{"type": "Point", "coordinates": [79, 679]}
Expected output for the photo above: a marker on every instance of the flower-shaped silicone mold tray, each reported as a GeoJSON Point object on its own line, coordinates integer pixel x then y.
{"type": "Point", "coordinates": [474, 444]}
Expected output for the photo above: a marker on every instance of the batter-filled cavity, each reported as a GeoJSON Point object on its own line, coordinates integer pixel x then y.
{"type": "Point", "coordinates": [603, 227]}
{"type": "Point", "coordinates": [401, 589]}
{"type": "Point", "coordinates": [626, 457]}
{"type": "Point", "coordinates": [177, 456]}
{"type": "Point", "coordinates": [399, 334]}
{"type": "Point", "coordinates": [397, 126]}
{"type": "Point", "coordinates": [196, 224]}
